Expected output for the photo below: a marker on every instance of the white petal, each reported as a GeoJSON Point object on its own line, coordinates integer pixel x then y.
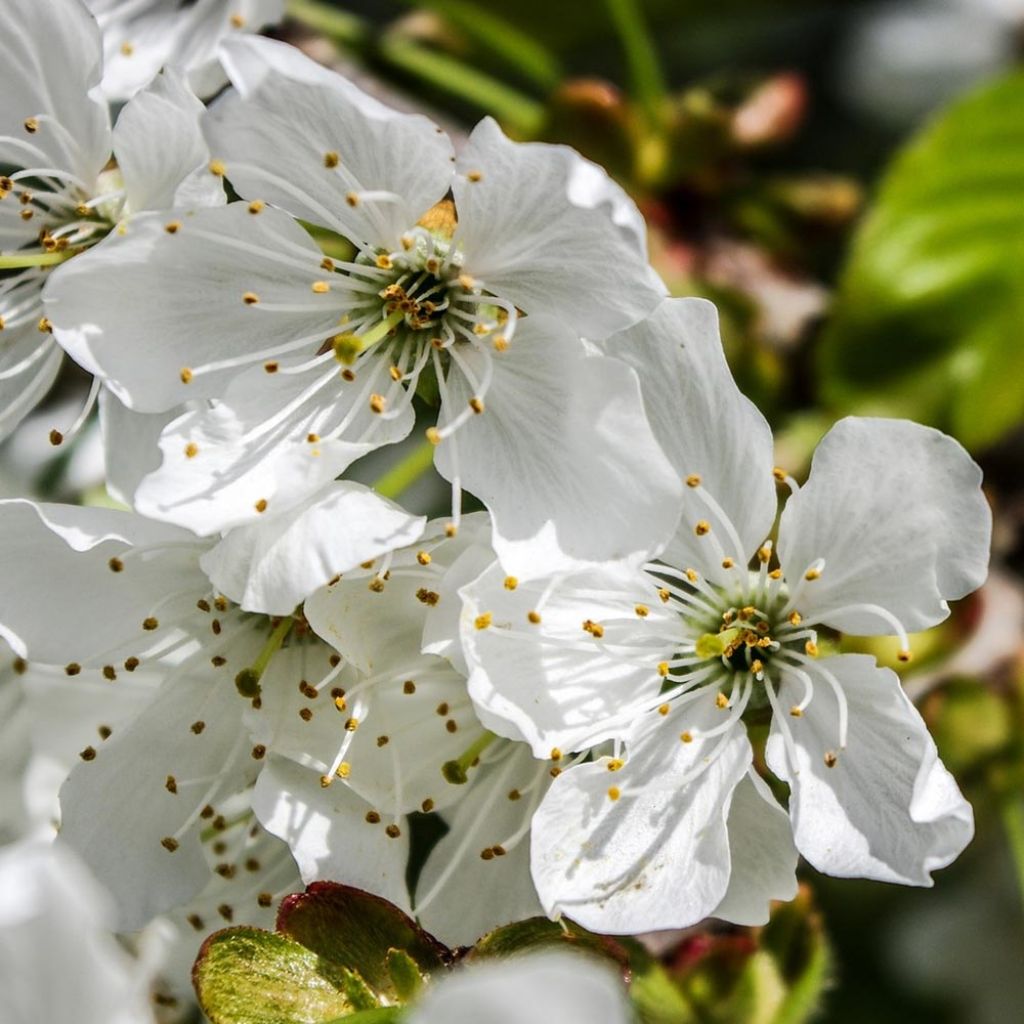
{"type": "Point", "coordinates": [291, 112]}
{"type": "Point", "coordinates": [273, 565]}
{"type": "Point", "coordinates": [139, 308]}
{"type": "Point", "coordinates": [707, 428]}
{"type": "Point", "coordinates": [130, 444]}
{"type": "Point", "coordinates": [55, 566]}
{"type": "Point", "coordinates": [448, 902]}
{"type": "Point", "coordinates": [118, 809]}
{"type": "Point", "coordinates": [140, 39]}
{"type": "Point", "coordinates": [328, 834]}
{"type": "Point", "coordinates": [30, 363]}
{"type": "Point", "coordinates": [226, 464]}
{"type": "Point", "coordinates": [158, 144]}
{"type": "Point", "coordinates": [553, 683]}
{"type": "Point", "coordinates": [896, 511]}
{"type": "Point", "coordinates": [562, 455]}
{"type": "Point", "coordinates": [58, 962]}
{"type": "Point", "coordinates": [50, 55]}
{"type": "Point", "coordinates": [551, 986]}
{"type": "Point", "coordinates": [537, 229]}
{"type": "Point", "coordinates": [658, 856]}
{"type": "Point", "coordinates": [887, 809]}
{"type": "Point", "coordinates": [762, 853]}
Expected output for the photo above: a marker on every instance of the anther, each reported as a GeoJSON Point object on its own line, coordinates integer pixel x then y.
{"type": "Point", "coordinates": [904, 656]}
{"type": "Point", "coordinates": [642, 611]}
{"type": "Point", "coordinates": [320, 287]}
{"type": "Point", "coordinates": [663, 669]}
{"type": "Point", "coordinates": [556, 754]}
{"type": "Point", "coordinates": [686, 737]}
{"type": "Point", "coordinates": [408, 687]}
{"type": "Point", "coordinates": [44, 326]}
{"type": "Point", "coordinates": [477, 405]}
{"type": "Point", "coordinates": [377, 403]}
{"type": "Point", "coordinates": [331, 160]}
{"type": "Point", "coordinates": [191, 450]}
{"type": "Point", "coordinates": [272, 366]}
{"type": "Point", "coordinates": [169, 843]}
{"type": "Point", "coordinates": [217, 168]}
{"type": "Point", "coordinates": [796, 712]}
{"type": "Point", "coordinates": [198, 727]}
{"type": "Point", "coordinates": [352, 199]}
{"type": "Point", "coordinates": [483, 621]}
{"type": "Point", "coordinates": [593, 628]}
{"type": "Point", "coordinates": [344, 770]}
{"type": "Point", "coordinates": [185, 375]}
{"type": "Point", "coordinates": [779, 474]}
{"type": "Point", "coordinates": [392, 831]}
{"type": "Point", "coordinates": [533, 617]}
{"type": "Point", "coordinates": [702, 528]}
{"type": "Point", "coordinates": [237, 21]}
{"type": "Point", "coordinates": [433, 435]}
{"type": "Point", "coordinates": [811, 648]}
{"type": "Point", "coordinates": [372, 818]}
{"type": "Point", "coordinates": [172, 227]}
{"type": "Point", "coordinates": [614, 793]}
{"type": "Point", "coordinates": [830, 759]}
{"type": "Point", "coordinates": [728, 563]}
{"type": "Point", "coordinates": [72, 668]}
{"type": "Point", "coordinates": [474, 176]}
{"type": "Point", "coordinates": [721, 701]}
{"type": "Point", "coordinates": [56, 438]}
{"type": "Point", "coordinates": [89, 754]}
{"type": "Point", "coordinates": [511, 583]}
{"type": "Point", "coordinates": [250, 298]}
{"type": "Point", "coordinates": [812, 574]}
{"type": "Point", "coordinates": [693, 480]}
{"type": "Point", "coordinates": [663, 709]}
{"type": "Point", "coordinates": [31, 125]}
{"type": "Point", "coordinates": [795, 618]}
{"type": "Point", "coordinates": [261, 505]}
{"type": "Point", "coordinates": [615, 764]}
{"type": "Point", "coordinates": [171, 785]}
{"type": "Point", "coordinates": [257, 206]}
{"type": "Point", "coordinates": [149, 624]}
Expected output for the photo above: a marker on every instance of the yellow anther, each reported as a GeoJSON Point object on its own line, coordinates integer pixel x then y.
{"type": "Point", "coordinates": [185, 375]}
{"type": "Point", "coordinates": [664, 595]}
{"type": "Point", "coordinates": [250, 298]}
{"type": "Point", "coordinates": [779, 474]}
{"type": "Point", "coordinates": [394, 373]}
{"type": "Point", "coordinates": [44, 326]}
{"type": "Point", "coordinates": [795, 618]}
{"type": "Point", "coordinates": [343, 770]}
{"type": "Point", "coordinates": [340, 703]}
{"type": "Point", "coordinates": [331, 159]}
{"type": "Point", "coordinates": [217, 168]}
{"type": "Point", "coordinates": [642, 610]}
{"type": "Point", "coordinates": [692, 575]}
{"type": "Point", "coordinates": [191, 450]}
{"type": "Point", "coordinates": [615, 764]}
{"type": "Point", "coordinates": [663, 669]}
{"type": "Point", "coordinates": [407, 242]}
{"type": "Point", "coordinates": [261, 505]}
{"type": "Point", "coordinates": [702, 528]}
{"type": "Point", "coordinates": [351, 725]}
{"type": "Point", "coordinates": [352, 198]}
{"type": "Point", "coordinates": [433, 435]}
{"type": "Point", "coordinates": [756, 666]}
{"type": "Point", "coordinates": [483, 621]}
{"type": "Point", "coordinates": [31, 125]}
{"type": "Point", "coordinates": [556, 754]}
{"type": "Point", "coordinates": [477, 405]}
{"type": "Point", "coordinates": [384, 261]}
{"type": "Point", "coordinates": [511, 583]}
{"type": "Point", "coordinates": [693, 480]}
{"type": "Point", "coordinates": [721, 701]}
{"type": "Point", "coordinates": [474, 176]}
{"type": "Point", "coordinates": [614, 793]}
{"type": "Point", "coordinates": [764, 554]}
{"type": "Point", "coordinates": [728, 563]}
{"type": "Point", "coordinates": [172, 227]}
{"type": "Point", "coordinates": [325, 781]}
{"type": "Point", "coordinates": [812, 574]}
{"type": "Point", "coordinates": [686, 737]}
{"type": "Point", "coordinates": [663, 709]}
{"type": "Point", "coordinates": [257, 206]}
{"type": "Point", "coordinates": [595, 629]}
{"type": "Point", "coordinates": [796, 712]}
{"type": "Point", "coordinates": [533, 617]}
{"type": "Point", "coordinates": [237, 21]}
{"type": "Point", "coordinates": [377, 403]}
{"type": "Point", "coordinates": [450, 530]}
{"type": "Point", "coordinates": [811, 648]}
{"type": "Point", "coordinates": [320, 287]}
{"type": "Point", "coordinates": [830, 759]}
{"type": "Point", "coordinates": [466, 282]}
{"type": "Point", "coordinates": [776, 574]}
{"type": "Point", "coordinates": [500, 343]}
{"type": "Point", "coordinates": [904, 656]}
{"type": "Point", "coordinates": [423, 557]}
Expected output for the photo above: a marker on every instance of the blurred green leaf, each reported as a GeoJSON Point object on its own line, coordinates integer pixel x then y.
{"type": "Point", "coordinates": [930, 302]}
{"type": "Point", "coordinates": [250, 976]}
{"type": "Point", "coordinates": [538, 933]}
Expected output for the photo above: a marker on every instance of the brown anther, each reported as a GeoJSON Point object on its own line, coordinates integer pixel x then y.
{"type": "Point", "coordinates": [56, 438]}
{"type": "Point", "coordinates": [796, 712]}
{"type": "Point", "coordinates": [451, 725]}
{"type": "Point", "coordinates": [131, 664]}
{"type": "Point", "coordinates": [89, 754]}
{"type": "Point", "coordinates": [250, 298]}
{"type": "Point", "coordinates": [31, 125]}
{"type": "Point", "coordinates": [595, 629]}
{"type": "Point", "coordinates": [261, 505]}
{"type": "Point", "coordinates": [226, 911]}
{"type": "Point", "coordinates": [477, 405]}
{"type": "Point", "coordinates": [428, 597]}
{"type": "Point", "coordinates": [109, 673]}
{"type": "Point", "coordinates": [306, 714]}
{"type": "Point", "coordinates": [197, 922]}
{"type": "Point", "coordinates": [331, 160]}
{"type": "Point", "coordinates": [372, 818]}
{"type": "Point", "coordinates": [198, 727]}
{"type": "Point", "coordinates": [693, 480]}
{"type": "Point", "coordinates": [830, 759]}
{"type": "Point", "coordinates": [392, 831]}
{"type": "Point", "coordinates": [702, 528]}
{"type": "Point", "coordinates": [728, 563]}
{"type": "Point", "coordinates": [408, 687]}
{"type": "Point", "coordinates": [533, 617]}
{"type": "Point", "coordinates": [259, 752]}
{"type": "Point", "coordinates": [169, 843]}
{"type": "Point", "coordinates": [150, 623]}
{"type": "Point", "coordinates": [172, 227]}
{"type": "Point", "coordinates": [72, 668]}
{"type": "Point", "coordinates": [265, 899]}
{"type": "Point", "coordinates": [383, 741]}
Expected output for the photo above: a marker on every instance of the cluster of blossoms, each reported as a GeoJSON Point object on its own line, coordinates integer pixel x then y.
{"type": "Point", "coordinates": [277, 668]}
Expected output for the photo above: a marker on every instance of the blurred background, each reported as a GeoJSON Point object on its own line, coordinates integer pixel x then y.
{"type": "Point", "coordinates": [846, 181]}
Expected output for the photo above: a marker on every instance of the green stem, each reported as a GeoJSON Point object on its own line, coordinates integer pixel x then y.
{"type": "Point", "coordinates": [1013, 822]}
{"type": "Point", "coordinates": [330, 21]}
{"type": "Point", "coordinates": [518, 49]}
{"type": "Point", "coordinates": [520, 113]}
{"type": "Point", "coordinates": [35, 259]}
{"type": "Point", "coordinates": [403, 475]}
{"type": "Point", "coordinates": [646, 81]}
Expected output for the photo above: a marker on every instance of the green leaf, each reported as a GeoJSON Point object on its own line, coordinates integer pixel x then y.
{"type": "Point", "coordinates": [353, 929]}
{"type": "Point", "coordinates": [540, 933]}
{"type": "Point", "coordinates": [930, 302]}
{"type": "Point", "coordinates": [250, 976]}
{"type": "Point", "coordinates": [405, 974]}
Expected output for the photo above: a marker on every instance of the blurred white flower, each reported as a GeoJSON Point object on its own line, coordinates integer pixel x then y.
{"type": "Point", "coordinates": [58, 959]}
{"type": "Point", "coordinates": [552, 986]}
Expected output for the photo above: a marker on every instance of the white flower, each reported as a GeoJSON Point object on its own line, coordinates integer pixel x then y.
{"type": "Point", "coordinates": [58, 961]}
{"type": "Point", "coordinates": [570, 988]}
{"type": "Point", "coordinates": [58, 198]}
{"type": "Point", "coordinates": [668, 663]}
{"type": "Point", "coordinates": [142, 36]}
{"type": "Point", "coordinates": [406, 740]}
{"type": "Point", "coordinates": [93, 589]}
{"type": "Point", "coordinates": [313, 360]}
